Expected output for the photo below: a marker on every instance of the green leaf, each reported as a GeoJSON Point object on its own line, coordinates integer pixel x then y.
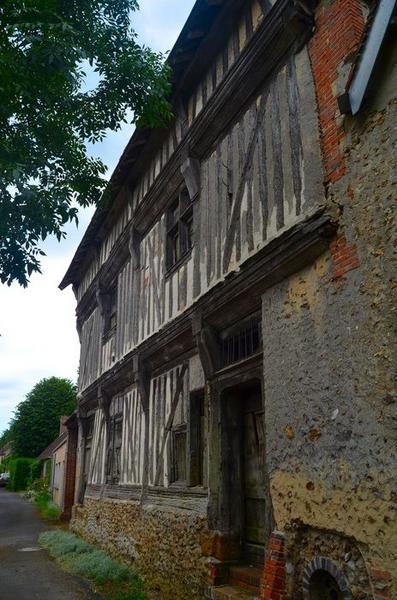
{"type": "Point", "coordinates": [46, 117]}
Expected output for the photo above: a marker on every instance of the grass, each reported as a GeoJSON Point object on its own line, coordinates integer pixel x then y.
{"type": "Point", "coordinates": [47, 508]}
{"type": "Point", "coordinates": [112, 579]}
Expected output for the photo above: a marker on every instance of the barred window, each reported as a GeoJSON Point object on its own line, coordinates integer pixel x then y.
{"type": "Point", "coordinates": [241, 341]}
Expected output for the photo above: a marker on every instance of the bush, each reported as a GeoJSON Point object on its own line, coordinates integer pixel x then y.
{"type": "Point", "coordinates": [34, 472]}
{"type": "Point", "coordinates": [116, 581]}
{"type": "Point", "coordinates": [39, 487]}
{"type": "Point", "coordinates": [97, 566]}
{"type": "Point", "coordinates": [21, 470]}
{"type": "Point", "coordinates": [38, 493]}
{"type": "Point", "coordinates": [5, 465]}
{"type": "Point", "coordinates": [60, 543]}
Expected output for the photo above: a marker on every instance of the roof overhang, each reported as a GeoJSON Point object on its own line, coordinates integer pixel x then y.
{"type": "Point", "coordinates": [186, 65]}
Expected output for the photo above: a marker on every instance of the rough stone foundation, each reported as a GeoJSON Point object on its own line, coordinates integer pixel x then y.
{"type": "Point", "coordinates": [164, 544]}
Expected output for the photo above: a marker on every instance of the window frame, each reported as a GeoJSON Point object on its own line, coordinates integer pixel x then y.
{"type": "Point", "coordinates": [179, 226]}
{"type": "Point", "coordinates": [88, 438]}
{"type": "Point", "coordinates": [110, 321]}
{"type": "Point", "coordinates": [177, 431]}
{"type": "Point", "coordinates": [111, 477]}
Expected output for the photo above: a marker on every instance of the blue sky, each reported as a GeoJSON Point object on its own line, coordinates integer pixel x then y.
{"type": "Point", "coordinates": [37, 325]}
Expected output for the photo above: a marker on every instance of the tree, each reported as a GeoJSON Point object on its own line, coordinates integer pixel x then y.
{"type": "Point", "coordinates": [47, 114]}
{"type": "Point", "coordinates": [36, 421]}
{"type": "Point", "coordinates": [5, 437]}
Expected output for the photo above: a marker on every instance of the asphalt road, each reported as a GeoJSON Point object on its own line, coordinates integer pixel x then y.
{"type": "Point", "coordinates": [27, 573]}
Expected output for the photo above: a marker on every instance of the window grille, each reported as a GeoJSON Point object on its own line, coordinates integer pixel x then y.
{"type": "Point", "coordinates": [242, 342]}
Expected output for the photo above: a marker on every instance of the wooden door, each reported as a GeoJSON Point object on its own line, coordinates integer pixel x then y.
{"type": "Point", "coordinates": [254, 480]}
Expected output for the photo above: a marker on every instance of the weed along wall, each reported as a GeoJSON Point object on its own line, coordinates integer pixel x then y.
{"type": "Point", "coordinates": [165, 544]}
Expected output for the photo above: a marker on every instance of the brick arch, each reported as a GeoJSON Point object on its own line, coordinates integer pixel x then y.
{"type": "Point", "coordinates": [321, 563]}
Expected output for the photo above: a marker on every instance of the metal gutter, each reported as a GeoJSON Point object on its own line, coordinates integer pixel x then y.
{"type": "Point", "coordinates": [351, 101]}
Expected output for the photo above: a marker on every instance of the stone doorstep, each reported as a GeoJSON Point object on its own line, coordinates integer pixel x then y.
{"type": "Point", "coordinates": [247, 577]}
{"type": "Point", "coordinates": [232, 592]}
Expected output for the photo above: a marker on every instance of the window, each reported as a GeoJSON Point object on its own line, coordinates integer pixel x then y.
{"type": "Point", "coordinates": [113, 459]}
{"type": "Point", "coordinates": [88, 445]}
{"type": "Point", "coordinates": [179, 228]}
{"type": "Point", "coordinates": [178, 454]}
{"type": "Point", "coordinates": [241, 341]}
{"type": "Point", "coordinates": [111, 313]}
{"type": "Point", "coordinates": [188, 441]}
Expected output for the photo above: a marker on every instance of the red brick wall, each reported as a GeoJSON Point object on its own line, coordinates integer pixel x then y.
{"type": "Point", "coordinates": [273, 582]}
{"type": "Point", "coordinates": [339, 29]}
{"type": "Point", "coordinates": [70, 471]}
{"type": "Point", "coordinates": [381, 581]}
{"type": "Point", "coordinates": [344, 256]}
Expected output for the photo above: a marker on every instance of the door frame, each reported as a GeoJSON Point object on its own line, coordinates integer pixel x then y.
{"type": "Point", "coordinates": [225, 513]}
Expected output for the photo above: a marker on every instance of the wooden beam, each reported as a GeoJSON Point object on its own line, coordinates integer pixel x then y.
{"type": "Point", "coordinates": [247, 167]}
{"type": "Point", "coordinates": [207, 345]}
{"type": "Point", "coordinates": [190, 170]}
{"type": "Point", "coordinates": [170, 421]}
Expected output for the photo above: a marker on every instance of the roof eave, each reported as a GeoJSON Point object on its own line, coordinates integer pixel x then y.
{"type": "Point", "coordinates": [141, 136]}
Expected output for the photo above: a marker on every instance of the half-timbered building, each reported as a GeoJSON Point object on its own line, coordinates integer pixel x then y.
{"type": "Point", "coordinates": [220, 361]}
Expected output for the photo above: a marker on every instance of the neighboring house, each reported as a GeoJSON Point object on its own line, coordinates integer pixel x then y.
{"type": "Point", "coordinates": [234, 305]}
{"type": "Point", "coordinates": [5, 451]}
{"type": "Point", "coordinates": [59, 465]}
{"type": "Point", "coordinates": [47, 457]}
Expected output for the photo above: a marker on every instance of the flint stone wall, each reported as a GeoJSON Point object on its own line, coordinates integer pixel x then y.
{"type": "Point", "coordinates": [164, 544]}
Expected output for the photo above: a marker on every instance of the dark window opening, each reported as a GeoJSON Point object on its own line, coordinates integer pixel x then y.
{"type": "Point", "coordinates": [178, 454]}
{"type": "Point", "coordinates": [324, 587]}
{"type": "Point", "coordinates": [110, 316]}
{"type": "Point", "coordinates": [241, 341]}
{"type": "Point", "coordinates": [179, 228]}
{"type": "Point", "coordinates": [113, 458]}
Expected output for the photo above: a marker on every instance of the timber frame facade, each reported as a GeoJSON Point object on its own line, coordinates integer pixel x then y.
{"type": "Point", "coordinates": [176, 282]}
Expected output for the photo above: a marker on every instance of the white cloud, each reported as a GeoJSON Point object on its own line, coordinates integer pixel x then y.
{"type": "Point", "coordinates": [37, 325]}
{"type": "Point", "coordinates": [38, 336]}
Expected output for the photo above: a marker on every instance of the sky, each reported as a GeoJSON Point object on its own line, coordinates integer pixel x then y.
{"type": "Point", "coordinates": [37, 325]}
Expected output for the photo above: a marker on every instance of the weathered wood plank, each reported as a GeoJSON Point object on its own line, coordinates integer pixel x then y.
{"type": "Point", "coordinates": [278, 175]}
{"type": "Point", "coordinates": [178, 390]}
{"type": "Point", "coordinates": [247, 166]}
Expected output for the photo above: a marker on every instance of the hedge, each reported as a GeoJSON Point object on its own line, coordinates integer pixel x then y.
{"type": "Point", "coordinates": [22, 472]}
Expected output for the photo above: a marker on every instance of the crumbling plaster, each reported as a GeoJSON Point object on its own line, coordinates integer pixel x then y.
{"type": "Point", "coordinates": [330, 360]}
